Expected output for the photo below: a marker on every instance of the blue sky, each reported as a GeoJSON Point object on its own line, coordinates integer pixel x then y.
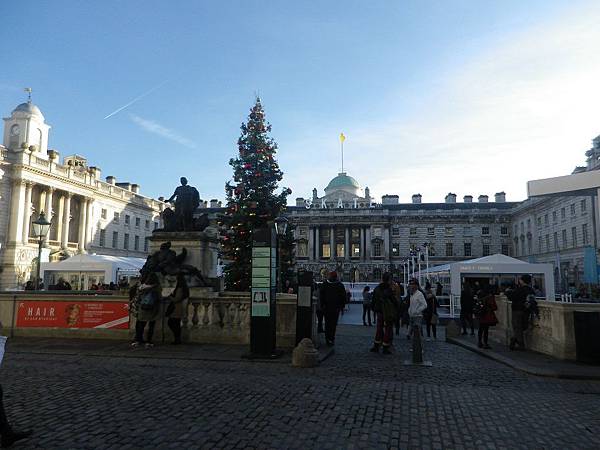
{"type": "Point", "coordinates": [434, 96]}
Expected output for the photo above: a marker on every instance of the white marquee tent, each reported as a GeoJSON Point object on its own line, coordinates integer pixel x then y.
{"type": "Point", "coordinates": [497, 264]}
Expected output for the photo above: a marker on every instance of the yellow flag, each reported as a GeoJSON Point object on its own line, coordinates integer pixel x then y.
{"type": "Point", "coordinates": [342, 138]}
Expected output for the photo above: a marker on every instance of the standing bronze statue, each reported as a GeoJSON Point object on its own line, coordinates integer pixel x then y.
{"type": "Point", "coordinates": [187, 200]}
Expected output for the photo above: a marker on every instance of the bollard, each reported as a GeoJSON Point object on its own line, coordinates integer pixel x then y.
{"type": "Point", "coordinates": [417, 344]}
{"type": "Point", "coordinates": [305, 354]}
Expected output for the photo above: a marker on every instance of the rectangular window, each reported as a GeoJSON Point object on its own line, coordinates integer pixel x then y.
{"type": "Point", "coordinates": [126, 241]}
{"type": "Point", "coordinates": [116, 217]}
{"type": "Point", "coordinates": [115, 239]}
{"type": "Point", "coordinates": [485, 231]}
{"type": "Point", "coordinates": [449, 231]}
{"type": "Point", "coordinates": [339, 248]}
{"type": "Point", "coordinates": [563, 213]}
{"type": "Point", "coordinates": [146, 244]}
{"type": "Point", "coordinates": [554, 217]}
{"type": "Point", "coordinates": [504, 230]}
{"type": "Point", "coordinates": [546, 219]}
{"type": "Point", "coordinates": [539, 222]}
{"type": "Point", "coordinates": [547, 242]}
{"type": "Point", "coordinates": [430, 231]}
{"type": "Point", "coordinates": [136, 243]}
{"type": "Point", "coordinates": [574, 236]}
{"type": "Point", "coordinates": [395, 231]}
{"type": "Point", "coordinates": [449, 249]}
{"type": "Point", "coordinates": [573, 209]}
{"type": "Point", "coordinates": [395, 250]}
{"type": "Point", "coordinates": [529, 245]}
{"type": "Point", "coordinates": [467, 249]}
{"type": "Point", "coordinates": [356, 250]}
{"type": "Point", "coordinates": [522, 228]}
{"type": "Point", "coordinates": [137, 222]}
{"type": "Point", "coordinates": [584, 233]}
{"type": "Point", "coordinates": [583, 205]}
{"type": "Point", "coordinates": [505, 249]}
{"type": "Point", "coordinates": [147, 225]}
{"type": "Point", "coordinates": [413, 231]}
{"type": "Point", "coordinates": [155, 225]}
{"type": "Point", "coordinates": [529, 224]}
{"type": "Point", "coordinates": [127, 219]}
{"type": "Point", "coordinates": [103, 213]}
{"type": "Point", "coordinates": [102, 238]}
{"type": "Point", "coordinates": [555, 240]}
{"type": "Point", "coordinates": [486, 249]}
{"type": "Point", "coordinates": [325, 251]}
{"type": "Point", "coordinates": [564, 239]}
{"type": "Point", "coordinates": [376, 249]}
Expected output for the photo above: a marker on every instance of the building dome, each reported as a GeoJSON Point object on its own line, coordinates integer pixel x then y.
{"type": "Point", "coordinates": [28, 109]}
{"type": "Point", "coordinates": [343, 182]}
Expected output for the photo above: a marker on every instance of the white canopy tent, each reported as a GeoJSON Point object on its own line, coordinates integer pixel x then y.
{"type": "Point", "coordinates": [497, 264]}
{"type": "Point", "coordinates": [86, 269]}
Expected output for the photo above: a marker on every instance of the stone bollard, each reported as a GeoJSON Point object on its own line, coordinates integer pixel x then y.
{"type": "Point", "coordinates": [305, 354]}
{"type": "Point", "coordinates": [452, 329]}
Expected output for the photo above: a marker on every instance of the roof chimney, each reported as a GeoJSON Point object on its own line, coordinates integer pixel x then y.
{"type": "Point", "coordinates": [468, 199]}
{"type": "Point", "coordinates": [483, 199]}
{"type": "Point", "coordinates": [390, 199]}
{"type": "Point", "coordinates": [299, 201]}
{"type": "Point", "coordinates": [450, 198]}
{"type": "Point", "coordinates": [416, 198]}
{"type": "Point", "coordinates": [214, 203]}
{"type": "Point", "coordinates": [500, 197]}
{"type": "Point", "coordinates": [135, 188]}
{"type": "Point", "coordinates": [111, 180]}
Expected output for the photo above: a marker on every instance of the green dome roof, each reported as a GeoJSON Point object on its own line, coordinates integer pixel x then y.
{"type": "Point", "coordinates": [342, 181]}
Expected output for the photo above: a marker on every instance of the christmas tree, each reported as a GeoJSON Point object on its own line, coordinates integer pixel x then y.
{"type": "Point", "coordinates": [251, 199]}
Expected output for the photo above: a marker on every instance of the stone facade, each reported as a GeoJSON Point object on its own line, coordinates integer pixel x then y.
{"type": "Point", "coordinates": [87, 213]}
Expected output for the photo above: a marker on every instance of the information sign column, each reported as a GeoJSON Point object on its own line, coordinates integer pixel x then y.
{"type": "Point", "coordinates": [263, 321]}
{"type": "Point", "coordinates": [305, 316]}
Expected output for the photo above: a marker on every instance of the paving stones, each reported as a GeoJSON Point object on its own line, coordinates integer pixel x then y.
{"type": "Point", "coordinates": [354, 399]}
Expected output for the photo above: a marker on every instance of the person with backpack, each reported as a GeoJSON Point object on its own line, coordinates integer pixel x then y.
{"type": "Point", "coordinates": [518, 298]}
{"type": "Point", "coordinates": [385, 307]}
{"type": "Point", "coordinates": [177, 307]}
{"type": "Point", "coordinates": [430, 315]}
{"type": "Point", "coordinates": [367, 299]}
{"type": "Point", "coordinates": [486, 305]}
{"type": "Point", "coordinates": [148, 308]}
{"type": "Point", "coordinates": [333, 300]}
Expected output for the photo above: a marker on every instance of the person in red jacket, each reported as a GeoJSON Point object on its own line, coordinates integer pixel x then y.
{"type": "Point", "coordinates": [487, 317]}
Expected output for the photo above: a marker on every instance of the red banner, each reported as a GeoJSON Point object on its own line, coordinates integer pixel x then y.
{"type": "Point", "coordinates": [48, 314]}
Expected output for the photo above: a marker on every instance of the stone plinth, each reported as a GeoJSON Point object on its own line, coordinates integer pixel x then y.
{"type": "Point", "coordinates": [305, 354]}
{"type": "Point", "coordinates": [202, 248]}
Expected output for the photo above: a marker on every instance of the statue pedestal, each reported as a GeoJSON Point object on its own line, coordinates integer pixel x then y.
{"type": "Point", "coordinates": [202, 248]}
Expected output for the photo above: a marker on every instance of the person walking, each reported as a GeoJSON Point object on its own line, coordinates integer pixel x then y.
{"type": "Point", "coordinates": [333, 299]}
{"type": "Point", "coordinates": [518, 298]}
{"type": "Point", "coordinates": [417, 305]}
{"type": "Point", "coordinates": [385, 307]}
{"type": "Point", "coordinates": [367, 299]}
{"type": "Point", "coordinates": [148, 308]}
{"type": "Point", "coordinates": [317, 294]}
{"type": "Point", "coordinates": [466, 309]}
{"type": "Point", "coordinates": [487, 317]}
{"type": "Point", "coordinates": [430, 315]}
{"type": "Point", "coordinates": [177, 307]}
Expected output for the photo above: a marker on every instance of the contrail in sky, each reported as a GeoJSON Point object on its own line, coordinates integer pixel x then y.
{"type": "Point", "coordinates": [135, 100]}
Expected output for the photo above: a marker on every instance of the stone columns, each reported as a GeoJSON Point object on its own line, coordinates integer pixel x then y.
{"type": "Point", "coordinates": [347, 244]}
{"type": "Point", "coordinates": [89, 228]}
{"type": "Point", "coordinates": [332, 243]}
{"type": "Point", "coordinates": [362, 243]}
{"type": "Point", "coordinates": [311, 243]}
{"type": "Point", "coordinates": [15, 228]}
{"type": "Point", "coordinates": [81, 234]}
{"type": "Point", "coordinates": [66, 218]}
{"type": "Point", "coordinates": [48, 203]}
{"type": "Point", "coordinates": [27, 213]}
{"type": "Point", "coordinates": [59, 218]}
{"type": "Point", "coordinates": [368, 246]}
{"type": "Point", "coordinates": [386, 241]}
{"type": "Point", "coordinates": [317, 244]}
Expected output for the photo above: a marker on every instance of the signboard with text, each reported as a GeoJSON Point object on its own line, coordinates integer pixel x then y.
{"type": "Point", "coordinates": [262, 270]}
{"type": "Point", "coordinates": [52, 314]}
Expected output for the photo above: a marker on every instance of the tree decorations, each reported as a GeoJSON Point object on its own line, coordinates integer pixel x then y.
{"type": "Point", "coordinates": [251, 199]}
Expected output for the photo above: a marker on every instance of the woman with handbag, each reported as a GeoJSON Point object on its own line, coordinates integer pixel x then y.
{"type": "Point", "coordinates": [148, 308]}
{"type": "Point", "coordinates": [487, 317]}
{"type": "Point", "coordinates": [176, 309]}
{"type": "Point", "coordinates": [430, 315]}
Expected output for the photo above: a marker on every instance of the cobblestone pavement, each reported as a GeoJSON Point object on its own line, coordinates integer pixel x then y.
{"type": "Point", "coordinates": [355, 399]}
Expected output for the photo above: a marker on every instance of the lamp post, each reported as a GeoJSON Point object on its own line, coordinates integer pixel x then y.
{"type": "Point", "coordinates": [40, 230]}
{"type": "Point", "coordinates": [426, 246]}
{"type": "Point", "coordinates": [281, 224]}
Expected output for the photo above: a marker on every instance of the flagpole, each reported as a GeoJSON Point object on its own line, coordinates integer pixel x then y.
{"type": "Point", "coordinates": [342, 142]}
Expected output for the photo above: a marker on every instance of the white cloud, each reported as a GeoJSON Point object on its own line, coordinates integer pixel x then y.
{"type": "Point", "coordinates": [525, 109]}
{"type": "Point", "coordinates": [156, 128]}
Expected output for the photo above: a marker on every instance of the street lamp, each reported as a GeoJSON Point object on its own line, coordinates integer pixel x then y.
{"type": "Point", "coordinates": [281, 224]}
{"type": "Point", "coordinates": [40, 230]}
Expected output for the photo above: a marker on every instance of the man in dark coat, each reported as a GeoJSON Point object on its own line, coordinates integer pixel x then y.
{"type": "Point", "coordinates": [333, 299]}
{"type": "Point", "coordinates": [518, 298]}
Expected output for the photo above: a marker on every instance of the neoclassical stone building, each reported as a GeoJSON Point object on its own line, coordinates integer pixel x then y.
{"type": "Point", "coordinates": [87, 213]}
